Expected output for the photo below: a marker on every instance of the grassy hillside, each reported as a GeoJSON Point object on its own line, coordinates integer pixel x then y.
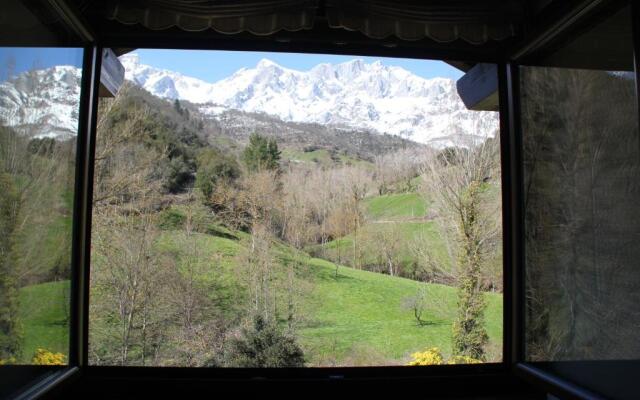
{"type": "Point", "coordinates": [405, 216]}
{"type": "Point", "coordinates": [354, 319]}
{"type": "Point", "coordinates": [321, 157]}
{"type": "Point", "coordinates": [358, 318]}
{"type": "Point", "coordinates": [396, 206]}
{"type": "Point", "coordinates": [44, 318]}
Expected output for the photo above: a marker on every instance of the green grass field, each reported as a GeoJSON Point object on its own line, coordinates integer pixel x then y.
{"type": "Point", "coordinates": [396, 206]}
{"type": "Point", "coordinates": [356, 318]}
{"type": "Point", "coordinates": [320, 157]}
{"type": "Point", "coordinates": [44, 318]}
{"type": "Point", "coordinates": [405, 217]}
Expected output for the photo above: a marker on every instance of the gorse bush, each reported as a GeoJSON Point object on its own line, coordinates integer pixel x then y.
{"type": "Point", "coordinates": [430, 356]}
{"type": "Point", "coordinates": [433, 356]}
{"type": "Point", "coordinates": [46, 357]}
{"type": "Point", "coordinates": [8, 361]}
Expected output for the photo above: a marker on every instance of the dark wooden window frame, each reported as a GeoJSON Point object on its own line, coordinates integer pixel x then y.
{"type": "Point", "coordinates": [471, 376]}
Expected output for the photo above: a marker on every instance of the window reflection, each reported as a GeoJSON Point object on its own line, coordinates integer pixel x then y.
{"type": "Point", "coordinates": [581, 169]}
{"type": "Point", "coordinates": [39, 97]}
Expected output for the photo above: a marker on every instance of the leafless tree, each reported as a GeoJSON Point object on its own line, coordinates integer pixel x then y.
{"type": "Point", "coordinates": [458, 183]}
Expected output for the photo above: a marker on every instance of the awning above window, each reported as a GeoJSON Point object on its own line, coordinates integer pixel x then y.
{"type": "Point", "coordinates": [228, 16]}
{"type": "Point", "coordinates": [476, 22]}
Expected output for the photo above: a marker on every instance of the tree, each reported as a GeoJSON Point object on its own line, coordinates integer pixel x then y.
{"type": "Point", "coordinates": [425, 300]}
{"type": "Point", "coordinates": [388, 244]}
{"type": "Point", "coordinates": [357, 185]}
{"type": "Point", "coordinates": [128, 289]}
{"type": "Point", "coordinates": [263, 345]}
{"type": "Point", "coordinates": [458, 186]}
{"type": "Point", "coordinates": [177, 106]}
{"type": "Point", "coordinates": [9, 332]}
{"type": "Point", "coordinates": [261, 154]}
{"type": "Point", "coordinates": [215, 168]}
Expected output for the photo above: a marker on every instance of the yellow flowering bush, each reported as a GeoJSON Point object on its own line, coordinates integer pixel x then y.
{"type": "Point", "coordinates": [463, 360]}
{"type": "Point", "coordinates": [7, 361]}
{"type": "Point", "coordinates": [433, 356]}
{"type": "Point", "coordinates": [430, 356]}
{"type": "Point", "coordinates": [45, 357]}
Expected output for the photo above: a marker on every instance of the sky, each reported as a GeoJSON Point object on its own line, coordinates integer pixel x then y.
{"type": "Point", "coordinates": [211, 66]}
{"type": "Point", "coordinates": [26, 58]}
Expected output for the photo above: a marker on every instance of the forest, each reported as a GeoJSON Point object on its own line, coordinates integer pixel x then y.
{"type": "Point", "coordinates": [227, 250]}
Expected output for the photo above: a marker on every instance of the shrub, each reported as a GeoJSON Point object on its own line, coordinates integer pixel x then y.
{"type": "Point", "coordinates": [463, 360]}
{"type": "Point", "coordinates": [172, 219]}
{"type": "Point", "coordinates": [8, 361]}
{"type": "Point", "coordinates": [45, 357]}
{"type": "Point", "coordinates": [432, 356]}
{"type": "Point", "coordinates": [263, 345]}
{"type": "Point", "coordinates": [176, 174]}
{"type": "Point", "coordinates": [214, 168]}
{"type": "Point", "coordinates": [261, 154]}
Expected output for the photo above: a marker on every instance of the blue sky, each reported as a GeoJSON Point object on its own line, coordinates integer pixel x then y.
{"type": "Point", "coordinates": [26, 58]}
{"type": "Point", "coordinates": [212, 66]}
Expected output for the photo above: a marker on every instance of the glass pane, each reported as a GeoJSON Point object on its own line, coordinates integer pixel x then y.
{"type": "Point", "coordinates": [39, 97]}
{"type": "Point", "coordinates": [581, 153]}
{"type": "Point", "coordinates": [253, 213]}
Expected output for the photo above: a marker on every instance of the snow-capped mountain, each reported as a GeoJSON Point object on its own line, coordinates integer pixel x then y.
{"type": "Point", "coordinates": [352, 94]}
{"type": "Point", "coordinates": [43, 101]}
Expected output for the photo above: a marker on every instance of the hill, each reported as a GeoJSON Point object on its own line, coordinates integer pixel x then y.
{"type": "Point", "coordinates": [355, 319]}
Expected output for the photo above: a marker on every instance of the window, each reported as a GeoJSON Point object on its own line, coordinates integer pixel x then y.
{"type": "Point", "coordinates": [581, 167]}
{"type": "Point", "coordinates": [39, 106]}
{"type": "Point", "coordinates": [291, 216]}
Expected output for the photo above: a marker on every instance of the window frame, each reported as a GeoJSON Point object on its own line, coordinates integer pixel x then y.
{"type": "Point", "coordinates": [33, 381]}
{"type": "Point", "coordinates": [84, 262]}
{"type": "Point", "coordinates": [585, 14]}
{"type": "Point", "coordinates": [513, 363]}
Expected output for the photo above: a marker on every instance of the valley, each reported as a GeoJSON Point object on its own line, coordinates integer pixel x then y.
{"type": "Point", "coordinates": [217, 225]}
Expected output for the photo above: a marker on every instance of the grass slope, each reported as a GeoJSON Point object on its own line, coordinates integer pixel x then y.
{"type": "Point", "coordinates": [43, 317]}
{"type": "Point", "coordinates": [321, 157]}
{"type": "Point", "coordinates": [408, 205]}
{"type": "Point", "coordinates": [404, 214]}
{"type": "Point", "coordinates": [354, 319]}
{"type": "Point", "coordinates": [358, 318]}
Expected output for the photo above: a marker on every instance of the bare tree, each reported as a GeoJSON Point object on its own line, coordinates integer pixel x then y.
{"type": "Point", "coordinates": [458, 183]}
{"type": "Point", "coordinates": [425, 301]}
{"type": "Point", "coordinates": [127, 285]}
{"type": "Point", "coordinates": [388, 244]}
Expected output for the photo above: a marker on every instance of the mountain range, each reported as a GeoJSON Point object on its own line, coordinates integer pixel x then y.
{"type": "Point", "coordinates": [351, 95]}
{"type": "Point", "coordinates": [354, 94]}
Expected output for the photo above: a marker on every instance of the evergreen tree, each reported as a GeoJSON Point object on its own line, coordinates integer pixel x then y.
{"type": "Point", "coordinates": [215, 167]}
{"type": "Point", "coordinates": [177, 106]}
{"type": "Point", "coordinates": [261, 154]}
{"type": "Point", "coordinates": [9, 333]}
{"type": "Point", "coordinates": [263, 345]}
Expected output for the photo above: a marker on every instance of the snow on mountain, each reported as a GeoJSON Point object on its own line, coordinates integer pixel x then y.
{"type": "Point", "coordinates": [386, 99]}
{"type": "Point", "coordinates": [44, 102]}
{"type": "Point", "coordinates": [354, 94]}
